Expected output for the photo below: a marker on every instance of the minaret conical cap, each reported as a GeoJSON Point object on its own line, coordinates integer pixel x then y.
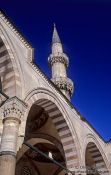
{"type": "Point", "coordinates": [55, 37]}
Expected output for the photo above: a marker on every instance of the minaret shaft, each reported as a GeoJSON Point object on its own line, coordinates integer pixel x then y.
{"type": "Point", "coordinates": [58, 70]}
{"type": "Point", "coordinates": [59, 63]}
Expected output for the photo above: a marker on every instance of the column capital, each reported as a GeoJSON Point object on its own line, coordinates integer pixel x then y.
{"type": "Point", "coordinates": [13, 108]}
{"type": "Point", "coordinates": [12, 111]}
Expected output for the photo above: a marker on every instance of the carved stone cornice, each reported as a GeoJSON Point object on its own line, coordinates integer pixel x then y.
{"type": "Point", "coordinates": [64, 84]}
{"type": "Point", "coordinates": [14, 29]}
{"type": "Point", "coordinates": [60, 57]}
{"type": "Point", "coordinates": [13, 108]}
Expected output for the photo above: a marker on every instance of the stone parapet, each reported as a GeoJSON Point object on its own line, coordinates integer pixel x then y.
{"type": "Point", "coordinates": [60, 57]}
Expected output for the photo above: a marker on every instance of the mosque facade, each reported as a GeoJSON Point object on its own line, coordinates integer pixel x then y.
{"type": "Point", "coordinates": [36, 113]}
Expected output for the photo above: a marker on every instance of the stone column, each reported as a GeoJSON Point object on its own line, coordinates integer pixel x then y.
{"type": "Point", "coordinates": [13, 109]}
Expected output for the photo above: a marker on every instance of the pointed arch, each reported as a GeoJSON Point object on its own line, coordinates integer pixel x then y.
{"type": "Point", "coordinates": [9, 73]}
{"type": "Point", "coordinates": [94, 156]}
{"type": "Point", "coordinates": [59, 116]}
{"type": "Point", "coordinates": [94, 159]}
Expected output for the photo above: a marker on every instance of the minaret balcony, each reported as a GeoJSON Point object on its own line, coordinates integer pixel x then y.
{"type": "Point", "coordinates": [59, 57]}
{"type": "Point", "coordinates": [64, 83]}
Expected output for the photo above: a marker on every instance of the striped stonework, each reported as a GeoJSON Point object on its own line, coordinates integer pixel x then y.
{"type": "Point", "coordinates": [8, 72]}
{"type": "Point", "coordinates": [62, 128]}
{"type": "Point", "coordinates": [98, 159]}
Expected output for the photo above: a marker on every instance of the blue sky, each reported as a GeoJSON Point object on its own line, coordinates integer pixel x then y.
{"type": "Point", "coordinates": [85, 31]}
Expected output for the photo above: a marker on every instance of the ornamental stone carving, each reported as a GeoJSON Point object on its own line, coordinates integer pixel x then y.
{"type": "Point", "coordinates": [60, 57]}
{"type": "Point", "coordinates": [64, 84]}
{"type": "Point", "coordinates": [14, 108]}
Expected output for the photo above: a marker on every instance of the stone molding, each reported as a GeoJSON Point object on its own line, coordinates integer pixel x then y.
{"type": "Point", "coordinates": [16, 119]}
{"type": "Point", "coordinates": [8, 153]}
{"type": "Point", "coordinates": [61, 57]}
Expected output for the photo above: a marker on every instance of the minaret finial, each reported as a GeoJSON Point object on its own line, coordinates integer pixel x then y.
{"type": "Point", "coordinates": [55, 37]}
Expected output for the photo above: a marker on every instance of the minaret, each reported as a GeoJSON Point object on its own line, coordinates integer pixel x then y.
{"type": "Point", "coordinates": [59, 61]}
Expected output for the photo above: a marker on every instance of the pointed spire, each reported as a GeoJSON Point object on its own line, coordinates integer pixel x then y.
{"type": "Point", "coordinates": [55, 37]}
